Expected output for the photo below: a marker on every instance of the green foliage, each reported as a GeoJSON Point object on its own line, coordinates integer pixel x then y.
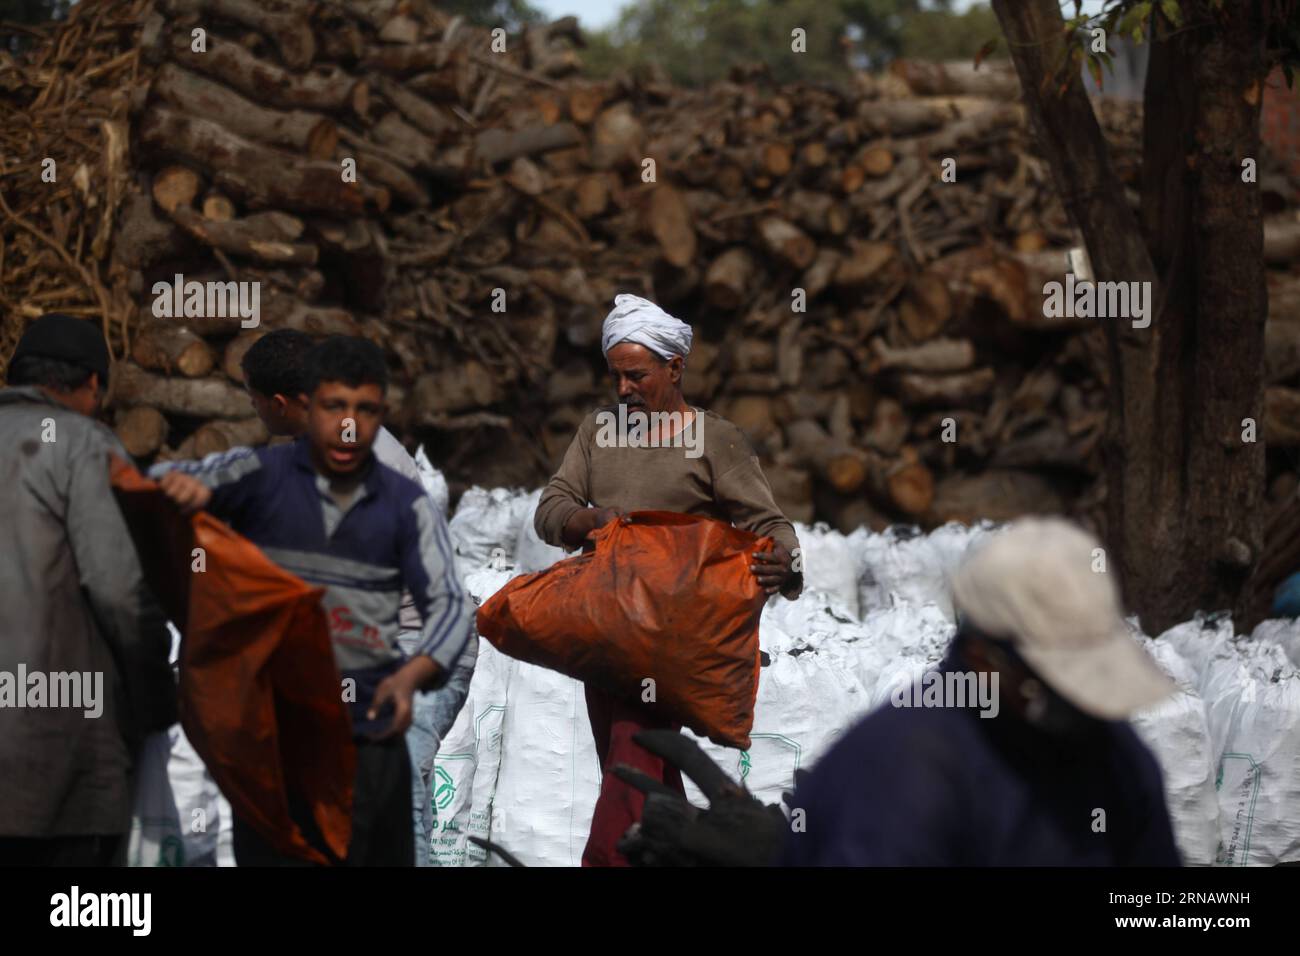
{"type": "Point", "coordinates": [510, 14]}
{"type": "Point", "coordinates": [1144, 20]}
{"type": "Point", "coordinates": [33, 11]}
{"type": "Point", "coordinates": [1284, 37]}
{"type": "Point", "coordinates": [940, 35]}
{"type": "Point", "coordinates": [879, 25]}
{"type": "Point", "coordinates": [698, 41]}
{"type": "Point", "coordinates": [30, 12]}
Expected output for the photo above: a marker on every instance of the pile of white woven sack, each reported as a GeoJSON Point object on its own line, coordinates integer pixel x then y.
{"type": "Point", "coordinates": [519, 766]}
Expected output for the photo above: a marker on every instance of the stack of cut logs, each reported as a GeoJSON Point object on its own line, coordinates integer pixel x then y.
{"type": "Point", "coordinates": [863, 266]}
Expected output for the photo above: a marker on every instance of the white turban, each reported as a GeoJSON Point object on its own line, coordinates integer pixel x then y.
{"type": "Point", "coordinates": [638, 320]}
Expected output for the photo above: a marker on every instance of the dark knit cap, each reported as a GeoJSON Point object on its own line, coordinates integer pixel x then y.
{"type": "Point", "coordinates": [68, 339]}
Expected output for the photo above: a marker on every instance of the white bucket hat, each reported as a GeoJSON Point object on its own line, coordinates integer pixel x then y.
{"type": "Point", "coordinates": [1034, 584]}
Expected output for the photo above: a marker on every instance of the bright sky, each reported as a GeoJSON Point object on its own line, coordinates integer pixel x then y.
{"type": "Point", "coordinates": [595, 14]}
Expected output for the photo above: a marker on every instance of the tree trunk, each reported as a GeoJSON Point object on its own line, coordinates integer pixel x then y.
{"type": "Point", "coordinates": [1205, 231]}
{"type": "Point", "coordinates": [1183, 502]}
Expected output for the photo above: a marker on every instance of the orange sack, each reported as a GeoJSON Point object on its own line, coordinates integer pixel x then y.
{"type": "Point", "coordinates": [259, 693]}
{"type": "Point", "coordinates": [663, 596]}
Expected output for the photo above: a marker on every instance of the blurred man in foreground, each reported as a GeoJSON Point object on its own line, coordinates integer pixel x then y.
{"type": "Point", "coordinates": [83, 649]}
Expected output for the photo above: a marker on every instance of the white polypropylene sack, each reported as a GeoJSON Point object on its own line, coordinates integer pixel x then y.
{"type": "Point", "coordinates": [791, 732]}
{"type": "Point", "coordinates": [485, 527]}
{"type": "Point", "coordinates": [197, 801]}
{"type": "Point", "coordinates": [519, 766]}
{"type": "Point", "coordinates": [828, 566]}
{"type": "Point", "coordinates": [548, 777]}
{"type": "Point", "coordinates": [1259, 774]}
{"type": "Point", "coordinates": [1283, 633]}
{"type": "Point", "coordinates": [204, 817]}
{"type": "Point", "coordinates": [465, 769]}
{"type": "Point", "coordinates": [435, 484]}
{"type": "Point", "coordinates": [531, 552]}
{"type": "Point", "coordinates": [1252, 701]}
{"type": "Point", "coordinates": [1176, 732]}
{"type": "Point", "coordinates": [155, 838]}
{"type": "Point", "coordinates": [903, 566]}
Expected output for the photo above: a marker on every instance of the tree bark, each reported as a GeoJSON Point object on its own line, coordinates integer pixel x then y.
{"type": "Point", "coordinates": [728, 284]}
{"type": "Point", "coordinates": [166, 346]}
{"type": "Point", "coordinates": [904, 484]}
{"type": "Point", "coordinates": [419, 112]}
{"type": "Point", "coordinates": [276, 310]}
{"type": "Point", "coordinates": [233, 357]}
{"type": "Point", "coordinates": [841, 466]}
{"type": "Point", "coordinates": [221, 435]}
{"type": "Point", "coordinates": [230, 63]}
{"type": "Point", "coordinates": [786, 243]}
{"type": "Point", "coordinates": [258, 175]}
{"type": "Point", "coordinates": [497, 145]}
{"type": "Point", "coordinates": [1205, 229]}
{"type": "Point", "coordinates": [265, 236]}
{"type": "Point", "coordinates": [996, 494]}
{"type": "Point", "coordinates": [175, 187]}
{"type": "Point", "coordinates": [218, 208]}
{"type": "Point", "coordinates": [955, 77]}
{"type": "Point", "coordinates": [142, 430]}
{"type": "Point", "coordinates": [308, 133]}
{"type": "Point", "coordinates": [290, 31]}
{"type": "Point", "coordinates": [1183, 502]}
{"type": "Point", "coordinates": [669, 221]}
{"type": "Point", "coordinates": [372, 166]}
{"type": "Point", "coordinates": [198, 397]}
{"type": "Point", "coordinates": [396, 135]}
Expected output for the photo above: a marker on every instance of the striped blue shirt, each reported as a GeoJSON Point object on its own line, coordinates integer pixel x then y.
{"type": "Point", "coordinates": [388, 537]}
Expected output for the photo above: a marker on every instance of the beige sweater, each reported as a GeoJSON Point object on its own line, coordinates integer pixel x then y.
{"type": "Point", "coordinates": [725, 482]}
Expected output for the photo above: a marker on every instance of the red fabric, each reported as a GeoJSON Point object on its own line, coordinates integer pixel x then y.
{"type": "Point", "coordinates": [663, 596]}
{"type": "Point", "coordinates": [260, 694]}
{"type": "Point", "coordinates": [613, 723]}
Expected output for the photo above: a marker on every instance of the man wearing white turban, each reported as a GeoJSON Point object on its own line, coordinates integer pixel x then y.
{"type": "Point", "coordinates": [689, 461]}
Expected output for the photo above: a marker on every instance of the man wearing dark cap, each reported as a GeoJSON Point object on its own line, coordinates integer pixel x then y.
{"type": "Point", "coordinates": [83, 649]}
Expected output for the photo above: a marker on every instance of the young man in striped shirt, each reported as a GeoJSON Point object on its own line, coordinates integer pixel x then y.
{"type": "Point", "coordinates": [274, 374]}
{"type": "Point", "coordinates": [326, 510]}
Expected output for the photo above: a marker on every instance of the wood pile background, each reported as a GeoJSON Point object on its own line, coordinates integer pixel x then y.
{"type": "Point", "coordinates": [852, 309]}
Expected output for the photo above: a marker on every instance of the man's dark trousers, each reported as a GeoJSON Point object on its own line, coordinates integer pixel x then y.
{"type": "Point", "coordinates": [381, 814]}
